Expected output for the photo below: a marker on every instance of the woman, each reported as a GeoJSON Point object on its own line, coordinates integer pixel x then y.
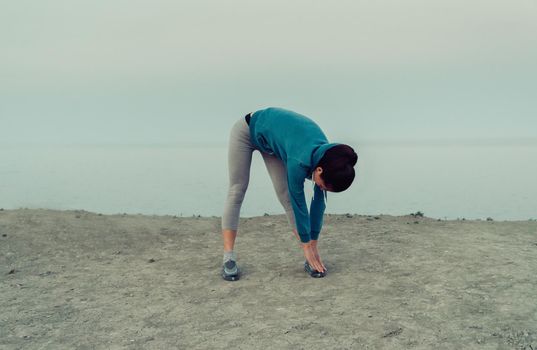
{"type": "Point", "coordinates": [294, 148]}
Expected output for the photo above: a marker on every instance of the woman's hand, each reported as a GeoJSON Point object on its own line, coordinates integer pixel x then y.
{"type": "Point", "coordinates": [314, 244]}
{"type": "Point", "coordinates": [312, 256]}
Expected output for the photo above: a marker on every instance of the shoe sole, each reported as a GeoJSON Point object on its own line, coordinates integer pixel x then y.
{"type": "Point", "coordinates": [235, 277]}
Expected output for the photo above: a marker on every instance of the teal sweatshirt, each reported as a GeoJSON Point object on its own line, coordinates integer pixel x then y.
{"type": "Point", "coordinates": [300, 144]}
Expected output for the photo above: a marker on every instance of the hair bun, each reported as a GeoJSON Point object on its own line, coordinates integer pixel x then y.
{"type": "Point", "coordinates": [353, 158]}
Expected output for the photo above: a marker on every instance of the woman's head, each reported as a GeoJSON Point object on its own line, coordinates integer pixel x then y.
{"type": "Point", "coordinates": [337, 166]}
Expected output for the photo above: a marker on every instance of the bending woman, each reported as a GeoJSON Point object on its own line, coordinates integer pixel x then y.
{"type": "Point", "coordinates": [294, 149]}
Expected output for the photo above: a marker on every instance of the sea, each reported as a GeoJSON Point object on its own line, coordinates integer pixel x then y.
{"type": "Point", "coordinates": [450, 179]}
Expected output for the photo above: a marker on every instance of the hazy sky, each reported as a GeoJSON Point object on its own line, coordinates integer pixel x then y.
{"type": "Point", "coordinates": [183, 71]}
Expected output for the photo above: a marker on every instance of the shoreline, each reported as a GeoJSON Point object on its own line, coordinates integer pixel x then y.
{"type": "Point", "coordinates": [444, 218]}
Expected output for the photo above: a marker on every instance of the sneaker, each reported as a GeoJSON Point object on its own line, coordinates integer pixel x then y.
{"type": "Point", "coordinates": [230, 271]}
{"type": "Point", "coordinates": [313, 273]}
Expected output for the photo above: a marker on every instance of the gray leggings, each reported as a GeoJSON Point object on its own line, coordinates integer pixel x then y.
{"type": "Point", "coordinates": [239, 160]}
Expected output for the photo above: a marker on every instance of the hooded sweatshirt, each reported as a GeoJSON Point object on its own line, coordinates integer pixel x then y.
{"type": "Point", "coordinates": [300, 144]}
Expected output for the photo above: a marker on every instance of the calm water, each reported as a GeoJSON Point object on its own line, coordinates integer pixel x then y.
{"type": "Point", "coordinates": [442, 180]}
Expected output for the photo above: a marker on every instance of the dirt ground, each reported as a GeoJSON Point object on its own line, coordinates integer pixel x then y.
{"type": "Point", "coordinates": [81, 280]}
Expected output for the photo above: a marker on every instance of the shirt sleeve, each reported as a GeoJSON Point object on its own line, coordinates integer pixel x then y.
{"type": "Point", "coordinates": [317, 212]}
{"type": "Point", "coordinates": [296, 175]}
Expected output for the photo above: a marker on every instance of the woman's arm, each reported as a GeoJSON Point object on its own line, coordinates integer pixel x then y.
{"type": "Point", "coordinates": [295, 178]}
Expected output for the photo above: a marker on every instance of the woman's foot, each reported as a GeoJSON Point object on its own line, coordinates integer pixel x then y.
{"type": "Point", "coordinates": [230, 271]}
{"type": "Point", "coordinates": [312, 272]}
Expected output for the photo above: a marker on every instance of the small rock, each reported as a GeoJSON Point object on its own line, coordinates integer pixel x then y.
{"type": "Point", "coordinates": [77, 216]}
{"type": "Point", "coordinates": [4, 235]}
{"type": "Point", "coordinates": [393, 332]}
{"type": "Point", "coordinates": [151, 260]}
{"type": "Point", "coordinates": [377, 217]}
{"type": "Point", "coordinates": [349, 215]}
{"type": "Point", "coordinates": [416, 222]}
{"type": "Point", "coordinates": [12, 271]}
{"type": "Point", "coordinates": [1, 209]}
{"type": "Point", "coordinates": [490, 219]}
{"type": "Point", "coordinates": [266, 214]}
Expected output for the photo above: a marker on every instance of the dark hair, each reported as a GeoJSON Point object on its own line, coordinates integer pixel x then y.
{"type": "Point", "coordinates": [338, 167]}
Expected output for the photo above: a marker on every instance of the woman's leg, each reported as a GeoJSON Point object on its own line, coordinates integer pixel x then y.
{"type": "Point", "coordinates": [239, 161]}
{"type": "Point", "coordinates": [278, 175]}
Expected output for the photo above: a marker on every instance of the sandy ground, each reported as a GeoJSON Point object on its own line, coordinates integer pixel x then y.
{"type": "Point", "coordinates": [80, 280]}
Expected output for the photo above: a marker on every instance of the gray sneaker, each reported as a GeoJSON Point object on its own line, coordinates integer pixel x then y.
{"type": "Point", "coordinates": [230, 271]}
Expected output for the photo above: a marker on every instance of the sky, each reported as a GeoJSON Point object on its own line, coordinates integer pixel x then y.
{"type": "Point", "coordinates": [179, 72]}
